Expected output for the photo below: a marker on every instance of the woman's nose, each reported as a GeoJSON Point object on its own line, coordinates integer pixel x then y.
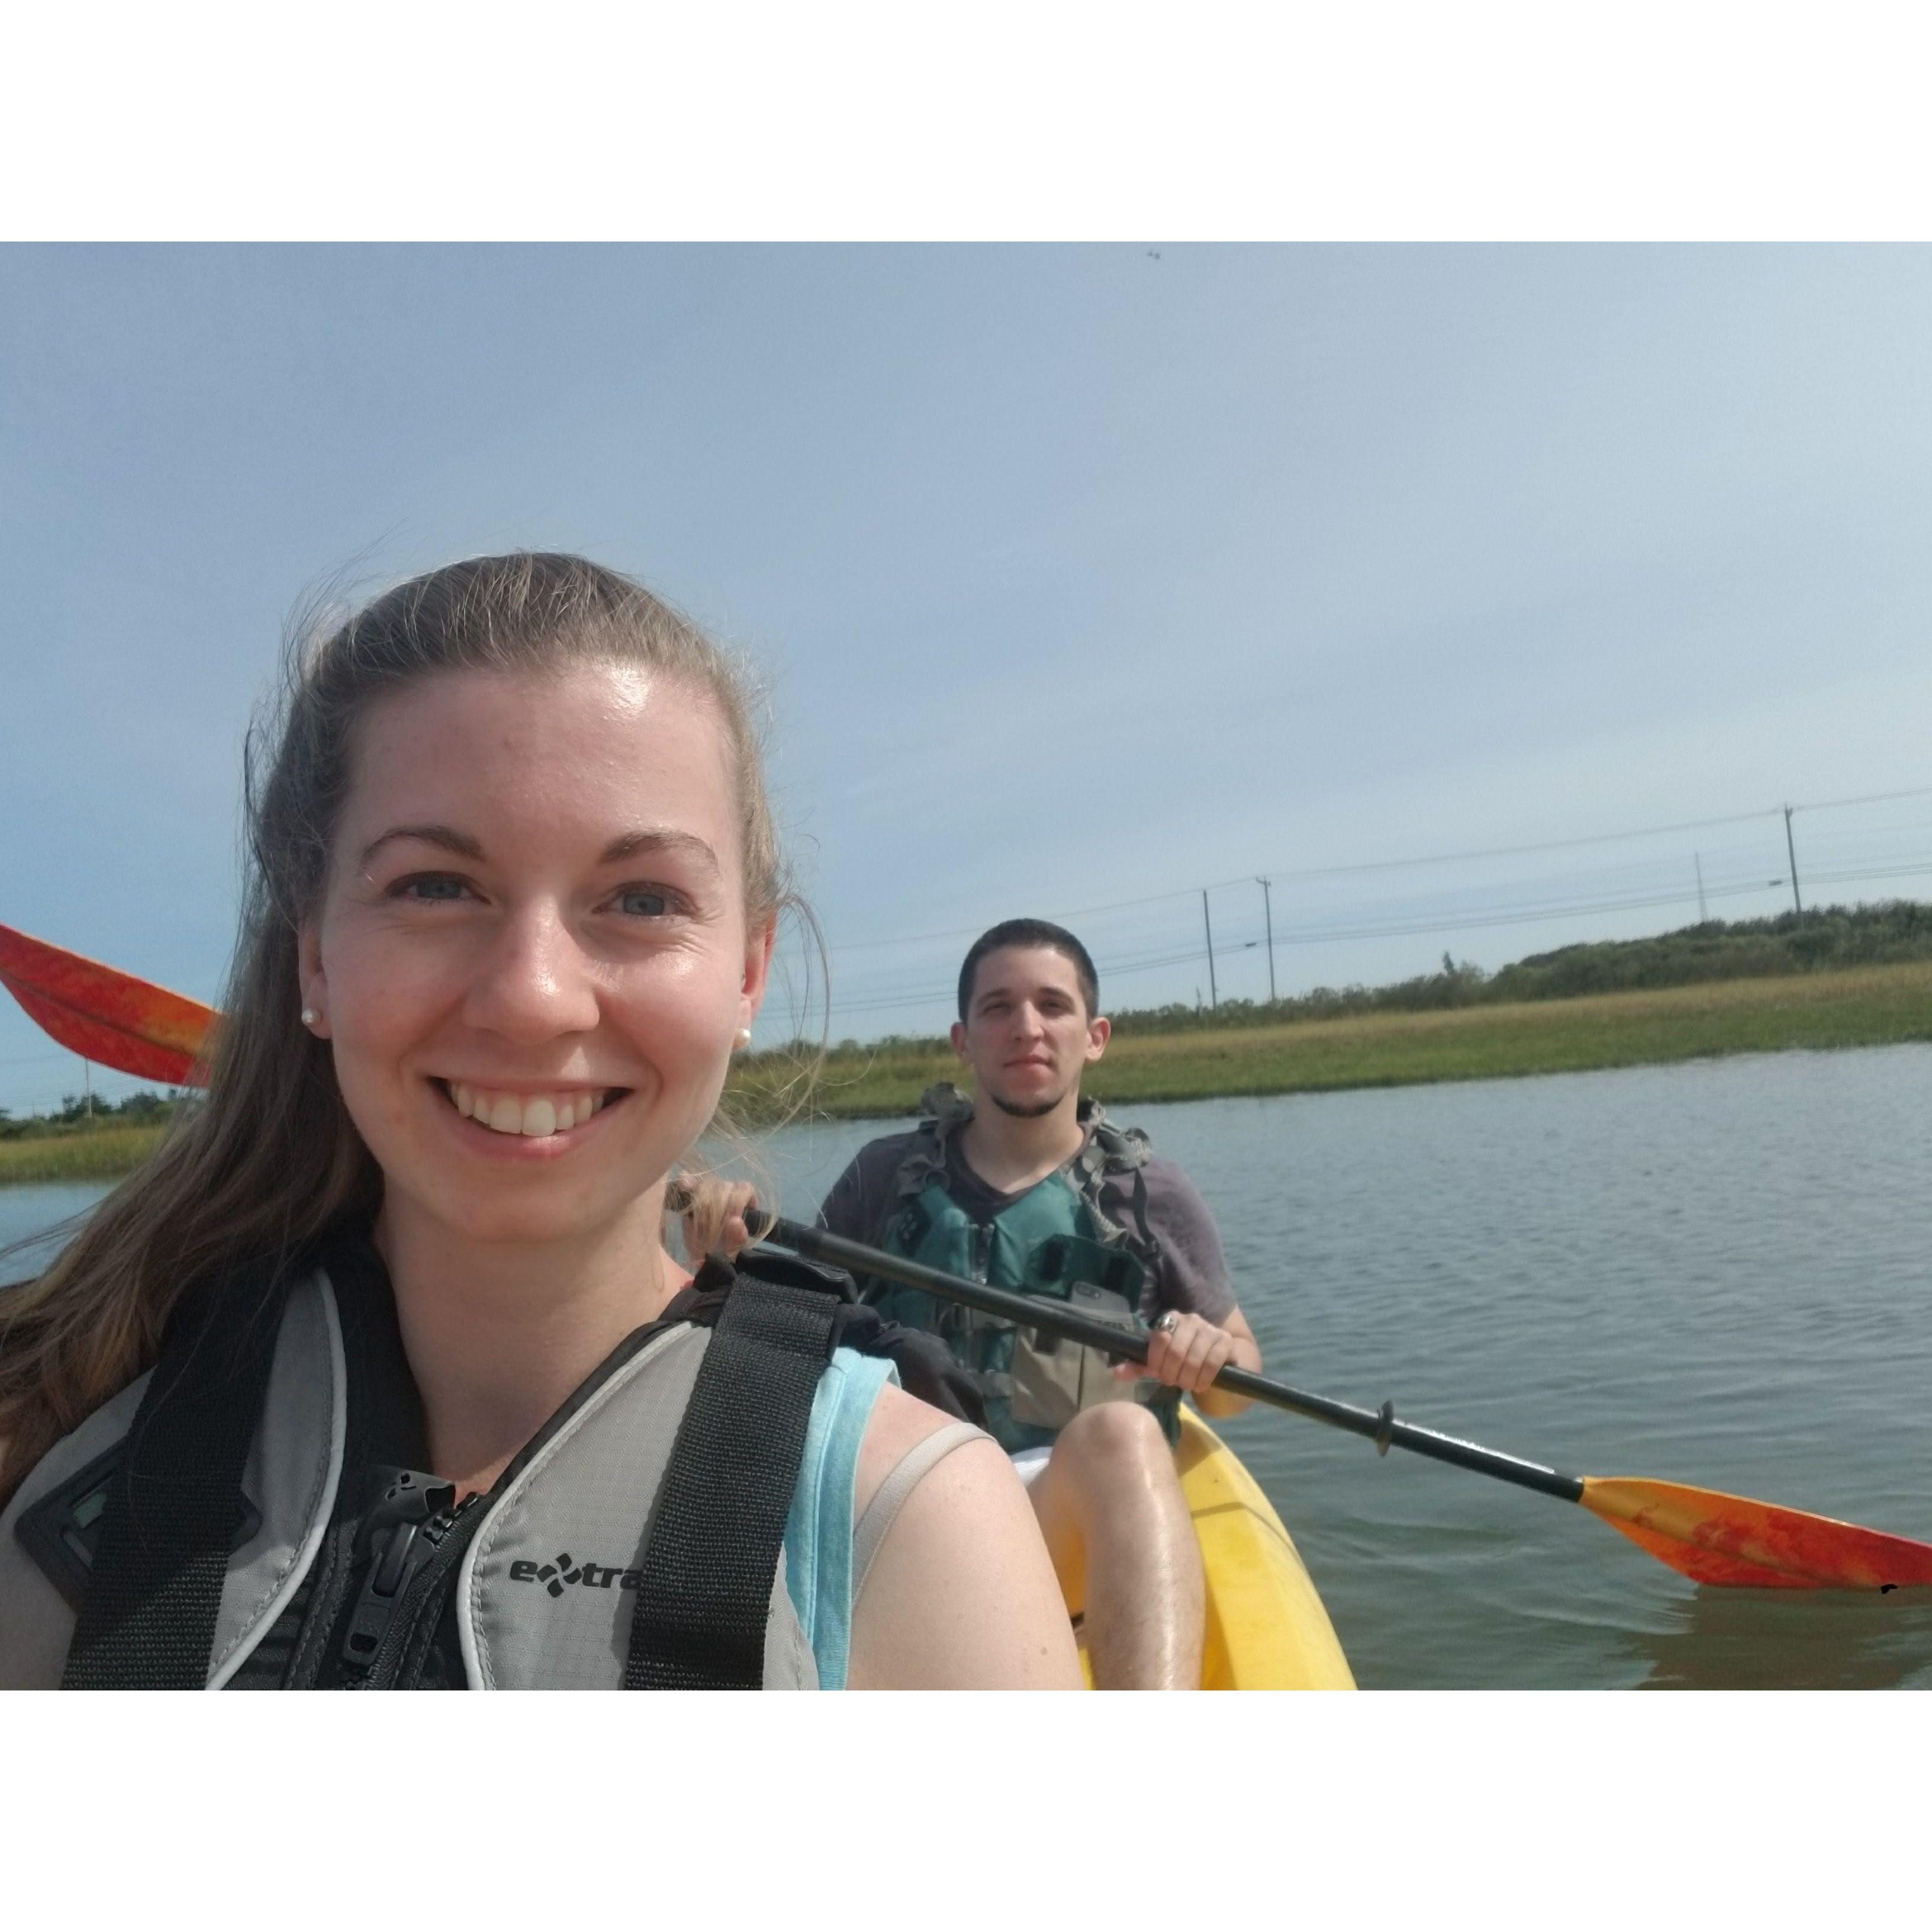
{"type": "Point", "coordinates": [533, 982]}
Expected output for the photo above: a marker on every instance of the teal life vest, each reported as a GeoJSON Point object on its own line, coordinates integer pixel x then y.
{"type": "Point", "coordinates": [1055, 1240]}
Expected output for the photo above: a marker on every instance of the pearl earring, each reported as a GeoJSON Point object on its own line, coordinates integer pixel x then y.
{"type": "Point", "coordinates": [744, 1037]}
{"type": "Point", "coordinates": [308, 1016]}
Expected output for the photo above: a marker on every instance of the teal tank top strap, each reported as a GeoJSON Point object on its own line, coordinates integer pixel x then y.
{"type": "Point", "coordinates": [818, 1532]}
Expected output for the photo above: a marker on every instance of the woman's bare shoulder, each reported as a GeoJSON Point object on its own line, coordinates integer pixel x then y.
{"type": "Point", "coordinates": [962, 1594]}
{"type": "Point", "coordinates": [900, 1424]}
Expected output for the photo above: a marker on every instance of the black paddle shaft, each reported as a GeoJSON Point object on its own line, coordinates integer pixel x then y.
{"type": "Point", "coordinates": [1382, 1426]}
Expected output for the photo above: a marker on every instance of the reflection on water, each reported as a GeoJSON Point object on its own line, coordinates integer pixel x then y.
{"type": "Point", "coordinates": [1715, 1274]}
{"type": "Point", "coordinates": [1790, 1639]}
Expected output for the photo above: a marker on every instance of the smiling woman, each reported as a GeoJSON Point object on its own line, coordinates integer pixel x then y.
{"type": "Point", "coordinates": [387, 1328]}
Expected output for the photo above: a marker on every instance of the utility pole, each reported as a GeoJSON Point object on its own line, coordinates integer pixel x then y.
{"type": "Point", "coordinates": [1268, 913]}
{"type": "Point", "coordinates": [1792, 850]}
{"type": "Point", "coordinates": [1697, 860]}
{"type": "Point", "coordinates": [87, 1084]}
{"type": "Point", "coordinates": [1213, 997]}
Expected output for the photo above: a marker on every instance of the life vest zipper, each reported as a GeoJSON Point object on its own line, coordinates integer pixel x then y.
{"type": "Point", "coordinates": [409, 1555]}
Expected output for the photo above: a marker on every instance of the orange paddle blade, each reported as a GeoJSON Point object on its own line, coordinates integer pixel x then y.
{"type": "Point", "coordinates": [108, 1017]}
{"type": "Point", "coordinates": [1714, 1538]}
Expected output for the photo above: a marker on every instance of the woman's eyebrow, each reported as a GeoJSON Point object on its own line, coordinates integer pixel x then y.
{"type": "Point", "coordinates": [651, 839]}
{"type": "Point", "coordinates": [659, 838]}
{"type": "Point", "coordinates": [447, 836]}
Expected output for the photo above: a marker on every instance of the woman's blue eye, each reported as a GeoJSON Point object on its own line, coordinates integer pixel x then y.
{"type": "Point", "coordinates": [442, 889]}
{"type": "Point", "coordinates": [642, 902]}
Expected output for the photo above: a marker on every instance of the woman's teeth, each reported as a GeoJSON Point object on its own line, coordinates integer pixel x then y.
{"type": "Point", "coordinates": [533, 1115]}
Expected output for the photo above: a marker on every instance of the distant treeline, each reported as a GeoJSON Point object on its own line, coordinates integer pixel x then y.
{"type": "Point", "coordinates": [1828, 938]}
{"type": "Point", "coordinates": [80, 1115]}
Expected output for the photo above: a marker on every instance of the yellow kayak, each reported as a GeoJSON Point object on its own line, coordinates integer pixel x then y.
{"type": "Point", "coordinates": [1267, 1629]}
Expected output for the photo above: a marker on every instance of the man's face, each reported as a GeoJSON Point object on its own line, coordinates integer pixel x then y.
{"type": "Point", "coordinates": [1028, 1034]}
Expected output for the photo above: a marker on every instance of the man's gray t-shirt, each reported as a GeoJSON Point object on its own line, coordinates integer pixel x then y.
{"type": "Point", "coordinates": [1191, 1274]}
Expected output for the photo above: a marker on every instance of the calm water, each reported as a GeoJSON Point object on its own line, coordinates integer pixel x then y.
{"type": "Point", "coordinates": [1715, 1273]}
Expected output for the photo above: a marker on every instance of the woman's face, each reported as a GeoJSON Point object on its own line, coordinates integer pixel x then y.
{"type": "Point", "coordinates": [532, 956]}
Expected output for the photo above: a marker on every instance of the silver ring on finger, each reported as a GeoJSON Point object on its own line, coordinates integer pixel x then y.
{"type": "Point", "coordinates": [1167, 1324]}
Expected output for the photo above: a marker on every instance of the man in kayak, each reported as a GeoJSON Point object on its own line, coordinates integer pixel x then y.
{"type": "Point", "coordinates": [1029, 1187]}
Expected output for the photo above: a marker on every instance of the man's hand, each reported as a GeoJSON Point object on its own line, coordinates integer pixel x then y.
{"type": "Point", "coordinates": [1187, 1351]}
{"type": "Point", "coordinates": [714, 1219]}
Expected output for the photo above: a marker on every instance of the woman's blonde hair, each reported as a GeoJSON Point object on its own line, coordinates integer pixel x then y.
{"type": "Point", "coordinates": [270, 1158]}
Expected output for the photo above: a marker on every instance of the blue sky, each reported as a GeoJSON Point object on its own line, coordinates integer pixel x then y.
{"type": "Point", "coordinates": [1083, 577]}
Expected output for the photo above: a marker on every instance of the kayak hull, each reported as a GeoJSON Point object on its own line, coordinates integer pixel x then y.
{"type": "Point", "coordinates": [1267, 1628]}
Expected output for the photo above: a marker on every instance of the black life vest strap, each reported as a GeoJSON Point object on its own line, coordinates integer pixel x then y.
{"type": "Point", "coordinates": [174, 1503]}
{"type": "Point", "coordinates": [704, 1596]}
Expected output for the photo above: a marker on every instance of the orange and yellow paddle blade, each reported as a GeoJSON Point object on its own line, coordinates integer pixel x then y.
{"type": "Point", "coordinates": [108, 1017]}
{"type": "Point", "coordinates": [1714, 1538]}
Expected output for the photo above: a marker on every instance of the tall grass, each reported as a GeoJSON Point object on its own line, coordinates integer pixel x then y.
{"type": "Point", "coordinates": [100, 1156]}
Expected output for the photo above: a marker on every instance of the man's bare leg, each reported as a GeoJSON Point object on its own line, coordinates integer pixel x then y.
{"type": "Point", "coordinates": [1117, 1527]}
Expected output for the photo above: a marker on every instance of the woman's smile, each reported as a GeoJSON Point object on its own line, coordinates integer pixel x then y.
{"type": "Point", "coordinates": [551, 1110]}
{"type": "Point", "coordinates": [523, 1123]}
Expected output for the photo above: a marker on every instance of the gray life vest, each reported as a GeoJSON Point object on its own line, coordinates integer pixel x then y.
{"type": "Point", "coordinates": [555, 1561]}
{"type": "Point", "coordinates": [1056, 1240]}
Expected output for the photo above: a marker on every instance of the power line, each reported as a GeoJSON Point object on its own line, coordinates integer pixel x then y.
{"type": "Point", "coordinates": [1509, 851]}
{"type": "Point", "coordinates": [1870, 798]}
{"type": "Point", "coordinates": [973, 931]}
{"type": "Point", "coordinates": [1135, 964]}
{"type": "Point", "coordinates": [1839, 878]}
{"type": "Point", "coordinates": [1430, 859]}
{"type": "Point", "coordinates": [1112, 971]}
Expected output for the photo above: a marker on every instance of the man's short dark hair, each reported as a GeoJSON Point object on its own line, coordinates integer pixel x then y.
{"type": "Point", "coordinates": [1031, 932]}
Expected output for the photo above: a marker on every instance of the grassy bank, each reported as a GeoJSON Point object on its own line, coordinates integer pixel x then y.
{"type": "Point", "coordinates": [1874, 1006]}
{"type": "Point", "coordinates": [1870, 1006]}
{"type": "Point", "coordinates": [105, 1154]}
